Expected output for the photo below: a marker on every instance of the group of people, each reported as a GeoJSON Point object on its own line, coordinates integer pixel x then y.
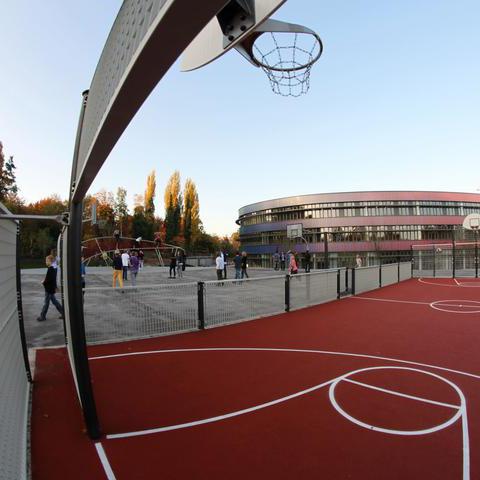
{"type": "Point", "coordinates": [289, 261]}
{"type": "Point", "coordinates": [177, 264]}
{"type": "Point", "coordinates": [240, 262]}
{"type": "Point", "coordinates": [123, 263]}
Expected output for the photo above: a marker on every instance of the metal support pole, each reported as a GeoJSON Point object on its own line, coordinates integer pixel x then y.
{"type": "Point", "coordinates": [380, 276]}
{"type": "Point", "coordinates": [434, 262]}
{"type": "Point", "coordinates": [325, 251]}
{"type": "Point", "coordinates": [287, 293]}
{"type": "Point", "coordinates": [398, 270]}
{"type": "Point", "coordinates": [201, 305]}
{"type": "Point", "coordinates": [338, 284]}
{"type": "Point", "coordinates": [76, 319]}
{"type": "Point", "coordinates": [353, 281]}
{"type": "Point", "coordinates": [21, 324]}
{"type": "Point", "coordinates": [476, 255]}
{"type": "Point", "coordinates": [454, 257]}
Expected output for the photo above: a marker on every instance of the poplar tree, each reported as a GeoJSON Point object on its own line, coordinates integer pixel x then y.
{"type": "Point", "coordinates": [150, 197]}
{"type": "Point", "coordinates": [173, 207]}
{"type": "Point", "coordinates": [191, 217]}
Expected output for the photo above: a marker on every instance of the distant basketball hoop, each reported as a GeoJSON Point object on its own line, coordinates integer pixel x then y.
{"type": "Point", "coordinates": [295, 231]}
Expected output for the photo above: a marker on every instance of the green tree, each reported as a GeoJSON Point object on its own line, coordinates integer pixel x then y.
{"type": "Point", "coordinates": [8, 184]}
{"type": "Point", "coordinates": [150, 197]}
{"type": "Point", "coordinates": [121, 210]}
{"type": "Point", "coordinates": [191, 216]}
{"type": "Point", "coordinates": [173, 207]}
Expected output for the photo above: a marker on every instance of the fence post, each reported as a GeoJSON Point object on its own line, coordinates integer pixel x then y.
{"type": "Point", "coordinates": [434, 262]}
{"type": "Point", "coordinates": [338, 283]}
{"type": "Point", "coordinates": [287, 293]}
{"type": "Point", "coordinates": [353, 281]}
{"type": "Point", "coordinates": [380, 276]}
{"type": "Point", "coordinates": [21, 323]}
{"type": "Point", "coordinates": [398, 271]}
{"type": "Point", "coordinates": [453, 259]}
{"type": "Point", "coordinates": [201, 305]}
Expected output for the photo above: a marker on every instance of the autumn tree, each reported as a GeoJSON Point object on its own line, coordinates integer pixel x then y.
{"type": "Point", "coordinates": [105, 212]}
{"type": "Point", "coordinates": [191, 215]}
{"type": "Point", "coordinates": [173, 207]}
{"type": "Point", "coordinates": [8, 185]}
{"type": "Point", "coordinates": [150, 197]}
{"type": "Point", "coordinates": [121, 210]}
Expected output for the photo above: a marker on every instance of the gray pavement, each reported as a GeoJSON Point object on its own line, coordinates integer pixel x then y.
{"type": "Point", "coordinates": [158, 305]}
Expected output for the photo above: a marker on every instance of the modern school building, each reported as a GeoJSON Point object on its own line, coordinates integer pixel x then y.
{"type": "Point", "coordinates": [379, 226]}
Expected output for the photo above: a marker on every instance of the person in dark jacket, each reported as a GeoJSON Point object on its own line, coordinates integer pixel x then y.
{"type": "Point", "coordinates": [244, 265]}
{"type": "Point", "coordinates": [308, 260]}
{"type": "Point", "coordinates": [173, 265]}
{"type": "Point", "coordinates": [117, 270]}
{"type": "Point", "coordinates": [50, 286]}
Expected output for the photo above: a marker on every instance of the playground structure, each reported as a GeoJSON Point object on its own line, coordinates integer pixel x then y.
{"type": "Point", "coordinates": [103, 248]}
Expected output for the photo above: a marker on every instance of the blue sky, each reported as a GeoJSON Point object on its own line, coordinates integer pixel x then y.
{"type": "Point", "coordinates": [394, 104]}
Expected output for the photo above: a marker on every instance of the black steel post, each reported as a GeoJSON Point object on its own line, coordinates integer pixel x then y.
{"type": "Point", "coordinates": [325, 251]}
{"type": "Point", "coordinates": [76, 319]}
{"type": "Point", "coordinates": [287, 293]}
{"type": "Point", "coordinates": [398, 270]}
{"type": "Point", "coordinates": [21, 323]}
{"type": "Point", "coordinates": [453, 254]}
{"type": "Point", "coordinates": [434, 262]}
{"type": "Point", "coordinates": [476, 253]}
{"type": "Point", "coordinates": [201, 305]}
{"type": "Point", "coordinates": [353, 281]}
{"type": "Point", "coordinates": [338, 284]}
{"type": "Point", "coordinates": [380, 276]}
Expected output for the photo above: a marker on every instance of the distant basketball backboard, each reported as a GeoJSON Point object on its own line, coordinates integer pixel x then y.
{"type": "Point", "coordinates": [295, 231]}
{"type": "Point", "coordinates": [237, 20]}
{"type": "Point", "coordinates": [472, 221]}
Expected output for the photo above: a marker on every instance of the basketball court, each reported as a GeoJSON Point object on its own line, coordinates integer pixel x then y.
{"type": "Point", "coordinates": [319, 383]}
{"type": "Point", "coordinates": [380, 385]}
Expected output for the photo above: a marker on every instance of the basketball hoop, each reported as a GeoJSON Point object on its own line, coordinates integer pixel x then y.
{"type": "Point", "coordinates": [286, 53]}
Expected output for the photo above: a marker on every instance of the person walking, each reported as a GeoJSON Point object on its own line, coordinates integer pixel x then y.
{"type": "Point", "coordinates": [173, 266]}
{"type": "Point", "coordinates": [358, 261]}
{"type": "Point", "coordinates": [117, 270]}
{"type": "Point", "coordinates": [224, 257]}
{"type": "Point", "coordinates": [292, 265]}
{"type": "Point", "coordinates": [50, 285]}
{"type": "Point", "coordinates": [179, 265]}
{"type": "Point", "coordinates": [219, 265]}
{"type": "Point", "coordinates": [307, 257]}
{"type": "Point", "coordinates": [141, 255]}
{"type": "Point", "coordinates": [244, 265]}
{"type": "Point", "coordinates": [125, 264]}
{"type": "Point", "coordinates": [282, 261]}
{"type": "Point", "coordinates": [237, 263]}
{"type": "Point", "coordinates": [276, 260]}
{"type": "Point", "coordinates": [134, 267]}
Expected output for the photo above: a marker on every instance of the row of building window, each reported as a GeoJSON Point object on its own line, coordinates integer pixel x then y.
{"type": "Point", "coordinates": [301, 212]}
{"type": "Point", "coordinates": [364, 234]}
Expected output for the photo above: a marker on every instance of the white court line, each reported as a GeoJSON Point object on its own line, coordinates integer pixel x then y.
{"type": "Point", "coordinates": [105, 463]}
{"type": "Point", "coordinates": [390, 300]}
{"type": "Point", "coordinates": [462, 412]}
{"type": "Point", "coordinates": [458, 284]}
{"type": "Point", "coordinates": [399, 394]}
{"type": "Point", "coordinates": [421, 280]}
{"type": "Point", "coordinates": [219, 417]}
{"type": "Point", "coordinates": [294, 350]}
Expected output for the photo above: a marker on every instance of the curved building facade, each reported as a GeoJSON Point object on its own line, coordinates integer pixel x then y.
{"type": "Point", "coordinates": [380, 226]}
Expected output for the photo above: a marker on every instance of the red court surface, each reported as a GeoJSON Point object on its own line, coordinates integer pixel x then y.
{"type": "Point", "coordinates": [382, 385]}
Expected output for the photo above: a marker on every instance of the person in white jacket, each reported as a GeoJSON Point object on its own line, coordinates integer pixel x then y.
{"type": "Point", "coordinates": [220, 265]}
